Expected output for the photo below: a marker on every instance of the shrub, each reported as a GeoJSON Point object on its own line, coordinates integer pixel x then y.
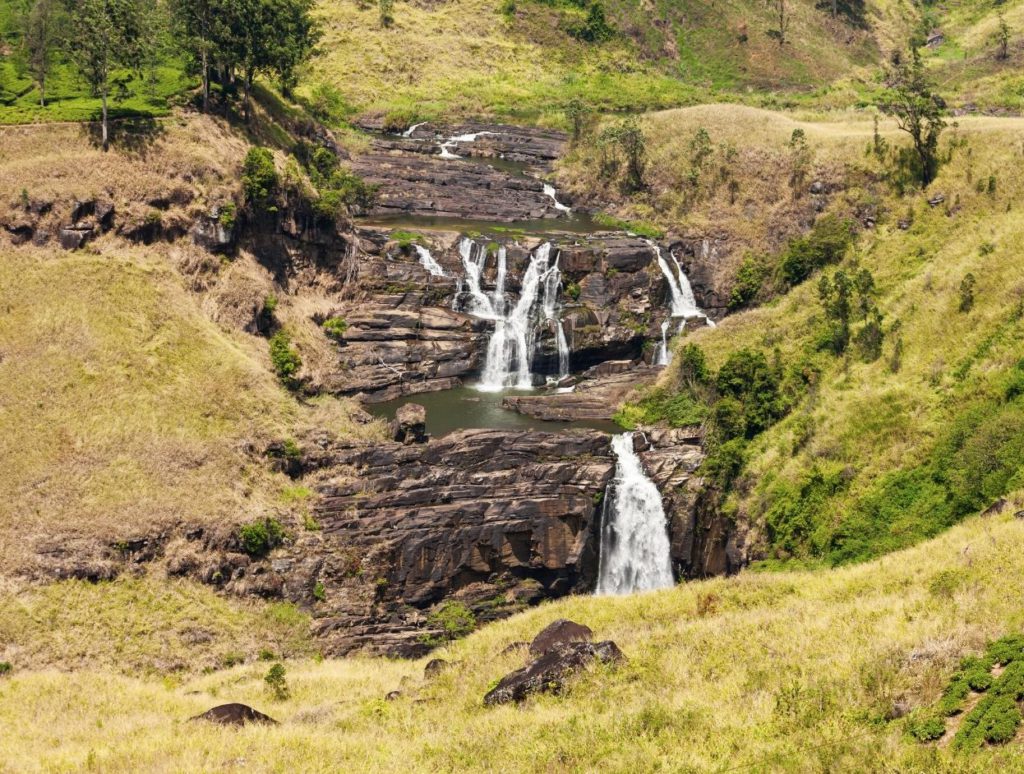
{"type": "Point", "coordinates": [994, 721]}
{"type": "Point", "coordinates": [259, 177]}
{"type": "Point", "coordinates": [454, 620]}
{"type": "Point", "coordinates": [5, 668]}
{"type": "Point", "coordinates": [572, 290]}
{"type": "Point", "coordinates": [277, 682]}
{"type": "Point", "coordinates": [827, 243]}
{"type": "Point", "coordinates": [335, 327]}
{"type": "Point", "coordinates": [594, 28]}
{"type": "Point", "coordinates": [261, 536]}
{"type": "Point", "coordinates": [750, 278]}
{"type": "Point", "coordinates": [967, 293]}
{"type": "Point", "coordinates": [319, 592]}
{"type": "Point", "coordinates": [928, 730]}
{"type": "Point", "coordinates": [286, 361]}
{"type": "Point", "coordinates": [747, 378]}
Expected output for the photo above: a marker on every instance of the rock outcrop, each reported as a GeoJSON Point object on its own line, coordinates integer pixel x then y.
{"type": "Point", "coordinates": [497, 520]}
{"type": "Point", "coordinates": [548, 674]}
{"type": "Point", "coordinates": [235, 715]}
{"type": "Point", "coordinates": [557, 633]}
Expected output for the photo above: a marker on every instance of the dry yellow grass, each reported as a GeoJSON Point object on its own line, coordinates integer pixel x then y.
{"type": "Point", "coordinates": [793, 672]}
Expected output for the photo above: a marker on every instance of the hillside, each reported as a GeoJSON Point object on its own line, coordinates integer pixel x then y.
{"type": "Point", "coordinates": [873, 455]}
{"type": "Point", "coordinates": [795, 671]}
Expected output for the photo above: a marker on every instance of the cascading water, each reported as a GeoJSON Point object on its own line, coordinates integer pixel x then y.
{"type": "Point", "coordinates": [634, 550]}
{"type": "Point", "coordinates": [683, 302]}
{"type": "Point", "coordinates": [412, 129]}
{"type": "Point", "coordinates": [549, 191]}
{"type": "Point", "coordinates": [549, 307]}
{"type": "Point", "coordinates": [510, 349]}
{"type": "Point", "coordinates": [428, 262]}
{"type": "Point", "coordinates": [473, 259]}
{"type": "Point", "coordinates": [446, 145]}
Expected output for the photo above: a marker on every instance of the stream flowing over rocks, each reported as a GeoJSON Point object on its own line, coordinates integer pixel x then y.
{"type": "Point", "coordinates": [471, 273]}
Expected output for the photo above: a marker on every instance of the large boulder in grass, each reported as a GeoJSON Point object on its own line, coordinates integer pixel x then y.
{"type": "Point", "coordinates": [559, 632]}
{"type": "Point", "coordinates": [235, 714]}
{"type": "Point", "coordinates": [548, 673]}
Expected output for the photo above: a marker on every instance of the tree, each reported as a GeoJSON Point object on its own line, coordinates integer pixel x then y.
{"type": "Point", "coordinates": [1003, 38]}
{"type": "Point", "coordinates": [579, 115]}
{"type": "Point", "coordinates": [200, 24]}
{"type": "Point", "coordinates": [783, 21]}
{"type": "Point", "coordinates": [628, 139]}
{"type": "Point", "coordinates": [917, 111]}
{"type": "Point", "coordinates": [269, 37]}
{"type": "Point", "coordinates": [106, 35]}
{"type": "Point", "coordinates": [41, 39]}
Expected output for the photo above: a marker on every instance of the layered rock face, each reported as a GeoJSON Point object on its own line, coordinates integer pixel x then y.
{"type": "Point", "coordinates": [414, 178]}
{"type": "Point", "coordinates": [494, 519]}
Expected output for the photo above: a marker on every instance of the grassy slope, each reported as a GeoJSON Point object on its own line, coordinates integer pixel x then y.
{"type": "Point", "coordinates": [794, 671]}
{"type": "Point", "coordinates": [865, 419]}
{"type": "Point", "coordinates": [464, 57]}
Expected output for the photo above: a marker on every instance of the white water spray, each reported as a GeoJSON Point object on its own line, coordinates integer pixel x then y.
{"type": "Point", "coordinates": [683, 302]}
{"type": "Point", "coordinates": [428, 262]}
{"type": "Point", "coordinates": [635, 551]}
{"type": "Point", "coordinates": [549, 191]}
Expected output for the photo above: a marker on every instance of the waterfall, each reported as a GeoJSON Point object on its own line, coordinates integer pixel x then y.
{"type": "Point", "coordinates": [634, 549]}
{"type": "Point", "coordinates": [683, 302]}
{"type": "Point", "coordinates": [510, 348]}
{"type": "Point", "coordinates": [664, 357]}
{"type": "Point", "coordinates": [549, 307]}
{"type": "Point", "coordinates": [409, 132]}
{"type": "Point", "coordinates": [549, 191]}
{"type": "Point", "coordinates": [473, 260]}
{"type": "Point", "coordinates": [428, 262]}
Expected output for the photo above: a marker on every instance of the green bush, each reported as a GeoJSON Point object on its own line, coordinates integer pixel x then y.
{"type": "Point", "coordinates": [747, 378]}
{"type": "Point", "coordinates": [994, 720]}
{"type": "Point", "coordinates": [827, 243]}
{"type": "Point", "coordinates": [335, 327]}
{"type": "Point", "coordinates": [750, 278]}
{"type": "Point", "coordinates": [5, 668]}
{"type": "Point", "coordinates": [259, 177]}
{"type": "Point", "coordinates": [260, 537]}
{"type": "Point", "coordinates": [572, 290]}
{"type": "Point", "coordinates": [319, 592]}
{"type": "Point", "coordinates": [679, 409]}
{"type": "Point", "coordinates": [928, 730]}
{"type": "Point", "coordinates": [277, 682]}
{"type": "Point", "coordinates": [286, 361]}
{"type": "Point", "coordinates": [454, 620]}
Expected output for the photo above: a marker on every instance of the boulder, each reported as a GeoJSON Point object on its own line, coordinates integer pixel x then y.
{"type": "Point", "coordinates": [234, 714]}
{"type": "Point", "coordinates": [73, 237]}
{"type": "Point", "coordinates": [213, 232]}
{"type": "Point", "coordinates": [559, 632]}
{"type": "Point", "coordinates": [549, 672]}
{"type": "Point", "coordinates": [435, 667]}
{"type": "Point", "coordinates": [410, 425]}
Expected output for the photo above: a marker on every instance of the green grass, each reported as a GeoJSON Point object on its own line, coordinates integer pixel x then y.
{"type": "Point", "coordinates": [788, 672]}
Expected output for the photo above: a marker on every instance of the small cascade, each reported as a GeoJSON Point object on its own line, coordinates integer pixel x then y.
{"type": "Point", "coordinates": [549, 307]}
{"type": "Point", "coordinates": [473, 259]}
{"type": "Point", "coordinates": [412, 129]}
{"type": "Point", "coordinates": [549, 191]}
{"type": "Point", "coordinates": [634, 549]}
{"type": "Point", "coordinates": [428, 262]}
{"type": "Point", "coordinates": [664, 356]}
{"type": "Point", "coordinates": [447, 145]}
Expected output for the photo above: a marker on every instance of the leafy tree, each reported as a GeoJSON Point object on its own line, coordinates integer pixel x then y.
{"type": "Point", "coordinates": [1003, 38]}
{"type": "Point", "coordinates": [917, 111]}
{"type": "Point", "coordinates": [277, 682]}
{"type": "Point", "coordinates": [595, 28]}
{"type": "Point", "coordinates": [827, 243]}
{"type": "Point", "coordinates": [628, 140]}
{"type": "Point", "coordinates": [747, 378]}
{"type": "Point", "coordinates": [106, 35]}
{"type": "Point", "coordinates": [782, 21]}
{"type": "Point", "coordinates": [41, 40]}
{"type": "Point", "coordinates": [202, 31]}
{"type": "Point", "coordinates": [579, 115]}
{"type": "Point", "coordinates": [454, 620]}
{"type": "Point", "coordinates": [259, 177]}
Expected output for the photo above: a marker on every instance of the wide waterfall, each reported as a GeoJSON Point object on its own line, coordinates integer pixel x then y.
{"type": "Point", "coordinates": [428, 262]}
{"type": "Point", "coordinates": [634, 550]}
{"type": "Point", "coordinates": [511, 348]}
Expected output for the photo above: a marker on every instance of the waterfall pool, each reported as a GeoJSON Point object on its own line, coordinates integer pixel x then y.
{"type": "Point", "coordinates": [464, 408]}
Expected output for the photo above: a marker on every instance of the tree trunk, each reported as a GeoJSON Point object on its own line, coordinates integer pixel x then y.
{"type": "Point", "coordinates": [248, 89]}
{"type": "Point", "coordinates": [106, 133]}
{"type": "Point", "coordinates": [206, 82]}
{"type": "Point", "coordinates": [42, 92]}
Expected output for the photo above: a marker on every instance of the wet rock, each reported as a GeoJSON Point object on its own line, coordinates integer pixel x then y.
{"type": "Point", "coordinates": [549, 672]}
{"type": "Point", "coordinates": [234, 714]}
{"type": "Point", "coordinates": [594, 399]}
{"type": "Point", "coordinates": [559, 632]}
{"type": "Point", "coordinates": [410, 425]}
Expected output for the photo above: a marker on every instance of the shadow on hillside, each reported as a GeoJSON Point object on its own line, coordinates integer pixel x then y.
{"type": "Point", "coordinates": [853, 12]}
{"type": "Point", "coordinates": [134, 135]}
